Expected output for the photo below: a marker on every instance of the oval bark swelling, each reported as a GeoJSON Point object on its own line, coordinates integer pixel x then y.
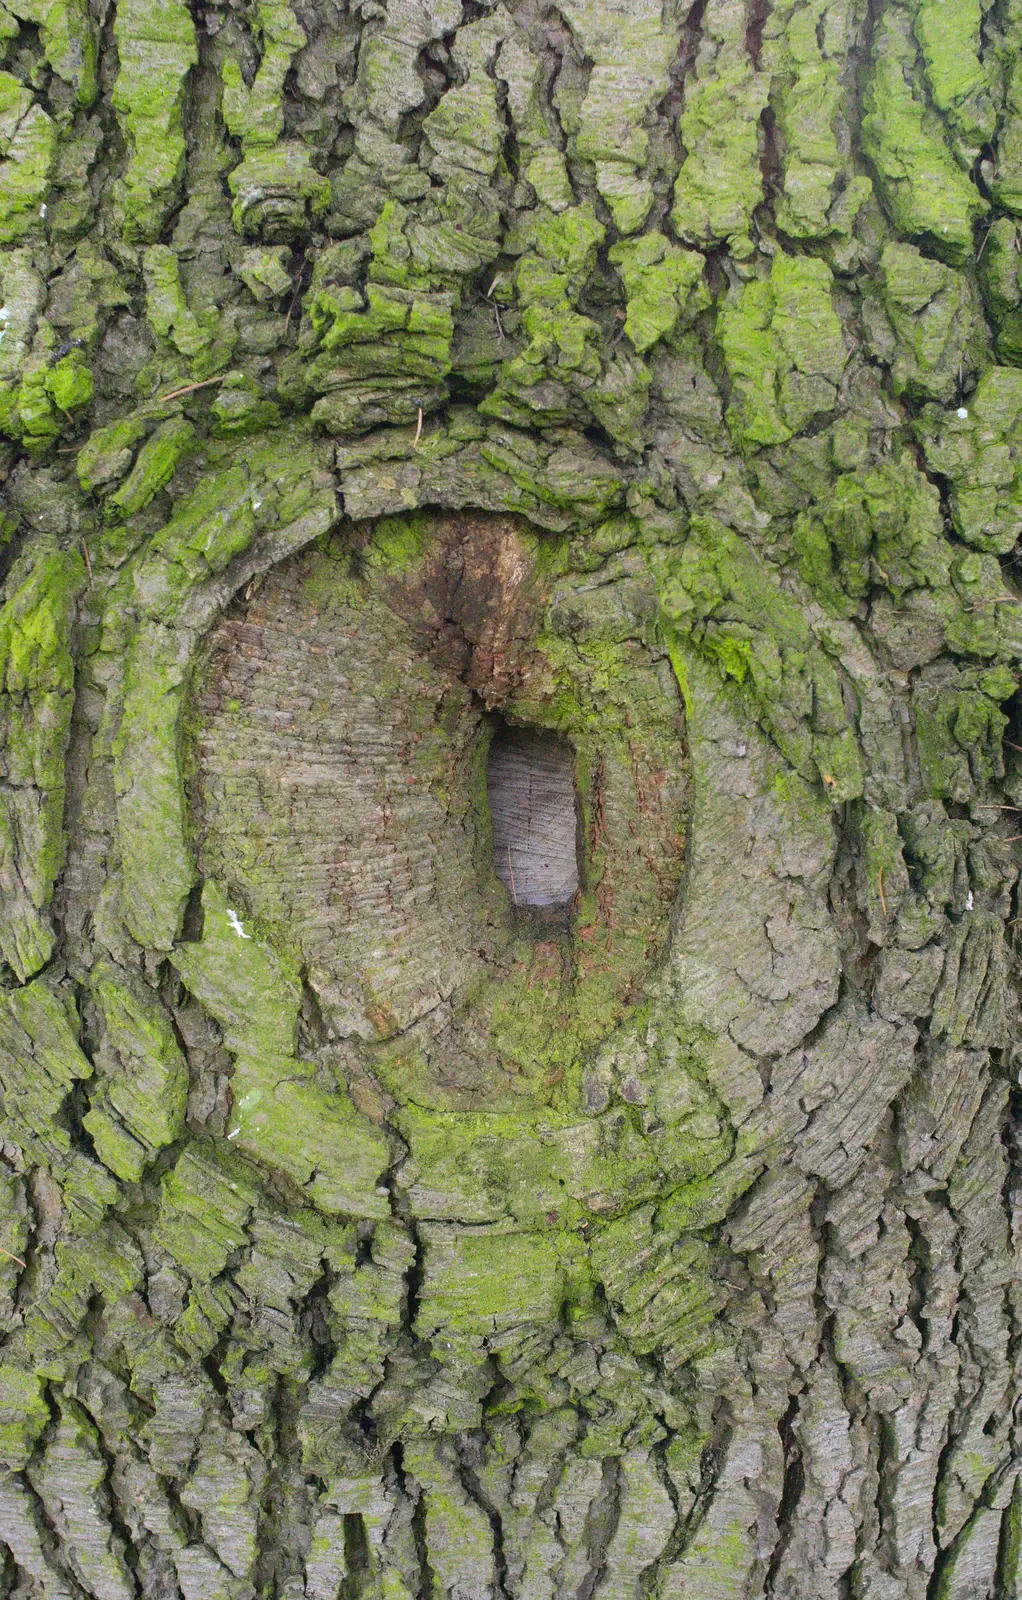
{"type": "Point", "coordinates": [370, 375]}
{"type": "Point", "coordinates": [342, 753]}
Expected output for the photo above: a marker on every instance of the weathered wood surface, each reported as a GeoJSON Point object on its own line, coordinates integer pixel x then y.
{"type": "Point", "coordinates": [530, 786]}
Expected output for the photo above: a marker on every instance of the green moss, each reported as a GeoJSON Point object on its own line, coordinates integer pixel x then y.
{"type": "Point", "coordinates": [258, 486]}
{"type": "Point", "coordinates": [784, 350]}
{"type": "Point", "coordinates": [68, 37]}
{"type": "Point", "coordinates": [239, 979]}
{"type": "Point", "coordinates": [264, 272]}
{"type": "Point", "coordinates": [382, 352]}
{"type": "Point", "coordinates": [1002, 290]}
{"type": "Point", "coordinates": [316, 1138]}
{"type": "Point", "coordinates": [883, 527]}
{"type": "Point", "coordinates": [28, 142]}
{"type": "Point", "coordinates": [156, 48]}
{"type": "Point", "coordinates": [720, 184]}
{"type": "Point", "coordinates": [157, 867]}
{"type": "Point", "coordinates": [103, 1261]}
{"type": "Point", "coordinates": [107, 454]}
{"type": "Point", "coordinates": [980, 453]}
{"type": "Point", "coordinates": [716, 592]}
{"type": "Point", "coordinates": [24, 1413]}
{"type": "Point", "coordinates": [936, 322]}
{"type": "Point", "coordinates": [168, 311]}
{"type": "Point", "coordinates": [960, 731]}
{"type": "Point", "coordinates": [1005, 180]}
{"type": "Point", "coordinates": [819, 196]}
{"type": "Point", "coordinates": [240, 408]}
{"type": "Point", "coordinates": [36, 700]}
{"type": "Point", "coordinates": [467, 1290]}
{"type": "Point", "coordinates": [466, 130]}
{"type": "Point", "coordinates": [40, 1063]}
{"type": "Point", "coordinates": [69, 383]}
{"type": "Point", "coordinates": [154, 466]}
{"type": "Point", "coordinates": [664, 287]}
{"type": "Point", "coordinates": [660, 1287]}
{"type": "Point", "coordinates": [114, 1146]}
{"type": "Point", "coordinates": [630, 55]}
{"type": "Point", "coordinates": [145, 1080]}
{"type": "Point", "coordinates": [884, 874]}
{"type": "Point", "coordinates": [927, 196]}
{"type": "Point", "coordinates": [398, 543]}
{"type": "Point", "coordinates": [950, 36]}
{"type": "Point", "coordinates": [256, 115]}
{"type": "Point", "coordinates": [277, 191]}
{"type": "Point", "coordinates": [206, 1201]}
{"type": "Point", "coordinates": [559, 374]}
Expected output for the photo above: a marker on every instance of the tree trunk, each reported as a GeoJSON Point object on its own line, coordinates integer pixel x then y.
{"type": "Point", "coordinates": [508, 811]}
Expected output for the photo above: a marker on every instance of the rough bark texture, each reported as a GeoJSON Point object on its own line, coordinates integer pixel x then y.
{"type": "Point", "coordinates": [375, 378]}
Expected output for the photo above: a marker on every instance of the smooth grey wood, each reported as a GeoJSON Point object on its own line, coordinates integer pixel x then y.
{"type": "Point", "coordinates": [531, 791]}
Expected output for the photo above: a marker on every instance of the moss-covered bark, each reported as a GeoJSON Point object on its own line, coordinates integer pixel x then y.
{"type": "Point", "coordinates": [643, 374]}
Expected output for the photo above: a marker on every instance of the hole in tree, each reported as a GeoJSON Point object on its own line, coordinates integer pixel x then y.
{"type": "Point", "coordinates": [530, 787]}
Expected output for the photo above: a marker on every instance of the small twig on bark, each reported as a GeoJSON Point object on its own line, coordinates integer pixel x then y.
{"type": "Point", "coordinates": [418, 431]}
{"type": "Point", "coordinates": [88, 561]}
{"type": "Point", "coordinates": [1012, 746]}
{"type": "Point", "coordinates": [997, 600]}
{"type": "Point", "coordinates": [496, 308]}
{"type": "Point", "coordinates": [189, 388]}
{"type": "Point", "coordinates": [880, 889]}
{"type": "Point", "coordinates": [511, 874]}
{"type": "Point", "coordinates": [12, 1257]}
{"type": "Point", "coordinates": [979, 252]}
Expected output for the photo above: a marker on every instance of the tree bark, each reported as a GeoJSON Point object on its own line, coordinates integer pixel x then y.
{"type": "Point", "coordinates": [509, 814]}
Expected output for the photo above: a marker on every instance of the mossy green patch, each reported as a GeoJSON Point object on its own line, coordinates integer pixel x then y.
{"type": "Point", "coordinates": [926, 194]}
{"type": "Point", "coordinates": [255, 114]}
{"type": "Point", "coordinates": [24, 1413]}
{"type": "Point", "coordinates": [879, 527]}
{"type": "Point", "coordinates": [960, 731]}
{"type": "Point", "coordinates": [192, 334]}
{"type": "Point", "coordinates": [143, 1087]}
{"type": "Point", "coordinates": [717, 591]}
{"type": "Point", "coordinates": [950, 36]}
{"type": "Point", "coordinates": [937, 324]}
{"type": "Point", "coordinates": [784, 350]}
{"type": "Point", "coordinates": [154, 466]}
{"type": "Point", "coordinates": [315, 1137]}
{"type": "Point", "coordinates": [28, 148]}
{"type": "Point", "coordinates": [36, 700]}
{"type": "Point", "coordinates": [720, 183]}
{"type": "Point", "coordinates": [664, 287]}
{"type": "Point", "coordinates": [240, 979]}
{"type": "Point", "coordinates": [257, 487]}
{"type": "Point", "coordinates": [108, 452]}
{"type": "Point", "coordinates": [277, 191]}
{"type": "Point", "coordinates": [69, 39]}
{"type": "Point", "coordinates": [559, 374]}
{"type": "Point", "coordinates": [206, 1202]}
{"type": "Point", "coordinates": [978, 447]}
{"type": "Point", "coordinates": [156, 48]}
{"type": "Point", "coordinates": [631, 52]}
{"type": "Point", "coordinates": [69, 383]}
{"type": "Point", "coordinates": [820, 196]}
